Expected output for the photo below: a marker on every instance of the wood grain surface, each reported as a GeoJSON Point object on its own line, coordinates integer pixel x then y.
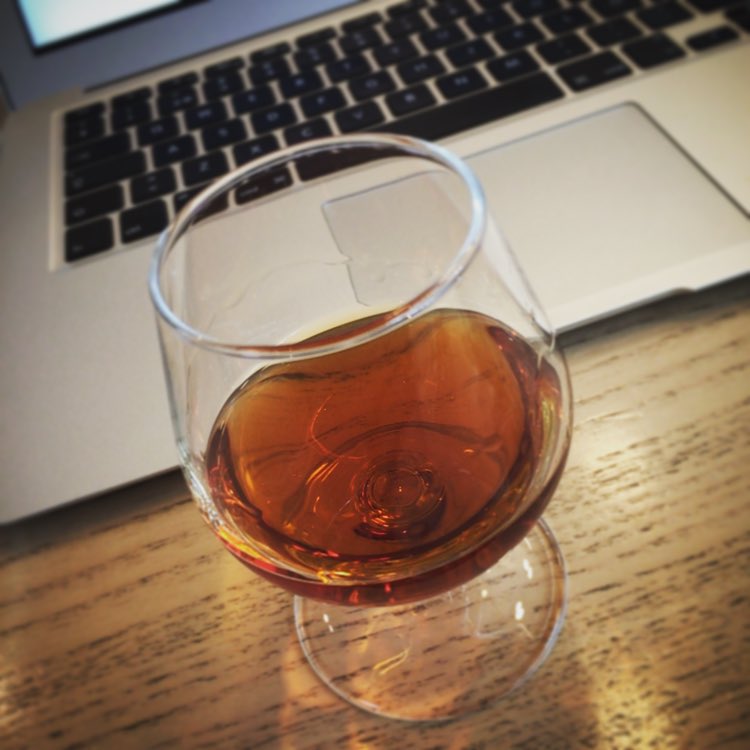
{"type": "Point", "coordinates": [125, 624]}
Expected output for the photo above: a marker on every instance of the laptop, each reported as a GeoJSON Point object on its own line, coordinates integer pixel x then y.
{"type": "Point", "coordinates": [611, 137]}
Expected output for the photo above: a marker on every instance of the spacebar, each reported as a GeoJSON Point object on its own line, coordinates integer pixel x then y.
{"type": "Point", "coordinates": [477, 109]}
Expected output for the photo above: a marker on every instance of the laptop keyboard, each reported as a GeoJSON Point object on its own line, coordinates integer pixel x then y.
{"type": "Point", "coordinates": [428, 68]}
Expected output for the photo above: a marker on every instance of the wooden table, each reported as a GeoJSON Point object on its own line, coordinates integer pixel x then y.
{"type": "Point", "coordinates": [125, 624]}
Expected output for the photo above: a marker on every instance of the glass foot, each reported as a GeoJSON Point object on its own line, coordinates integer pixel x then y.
{"type": "Point", "coordinates": [450, 655]}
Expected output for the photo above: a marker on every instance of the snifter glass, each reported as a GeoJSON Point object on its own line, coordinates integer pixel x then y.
{"type": "Point", "coordinates": [371, 413]}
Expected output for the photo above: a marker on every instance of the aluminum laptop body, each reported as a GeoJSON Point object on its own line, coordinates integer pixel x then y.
{"type": "Point", "coordinates": [620, 174]}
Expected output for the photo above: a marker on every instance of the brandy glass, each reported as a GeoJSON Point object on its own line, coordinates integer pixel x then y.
{"type": "Point", "coordinates": [371, 413]}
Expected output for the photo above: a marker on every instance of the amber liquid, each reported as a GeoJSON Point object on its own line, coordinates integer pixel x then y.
{"type": "Point", "coordinates": [390, 471]}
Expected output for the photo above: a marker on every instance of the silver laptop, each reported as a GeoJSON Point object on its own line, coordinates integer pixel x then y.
{"type": "Point", "coordinates": [612, 138]}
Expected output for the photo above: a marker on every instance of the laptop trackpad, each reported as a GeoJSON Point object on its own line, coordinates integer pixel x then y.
{"type": "Point", "coordinates": [607, 212]}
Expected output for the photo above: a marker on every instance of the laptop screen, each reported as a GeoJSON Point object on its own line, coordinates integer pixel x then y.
{"type": "Point", "coordinates": [49, 46]}
{"type": "Point", "coordinates": [50, 22]}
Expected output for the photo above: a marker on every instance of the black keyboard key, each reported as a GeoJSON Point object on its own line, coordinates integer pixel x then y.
{"type": "Point", "coordinates": [223, 134]}
{"type": "Point", "coordinates": [129, 97]}
{"type": "Point", "coordinates": [301, 83]}
{"type": "Point", "coordinates": [177, 83]}
{"type": "Point", "coordinates": [315, 37]}
{"type": "Point", "coordinates": [307, 131]}
{"type": "Point", "coordinates": [152, 185]}
{"type": "Point", "coordinates": [272, 52]}
{"type": "Point", "coordinates": [87, 112]}
{"type": "Point", "coordinates": [83, 130]}
{"type": "Point", "coordinates": [614, 31]}
{"type": "Point", "coordinates": [519, 36]}
{"type": "Point", "coordinates": [395, 52]}
{"type": "Point", "coordinates": [258, 97]}
{"type": "Point", "coordinates": [450, 10]}
{"type": "Point", "coordinates": [653, 50]}
{"type": "Point", "coordinates": [563, 48]}
{"type": "Point", "coordinates": [104, 148]}
{"type": "Point", "coordinates": [223, 67]}
{"type": "Point", "coordinates": [157, 130]}
{"type": "Point", "coordinates": [741, 16]}
{"type": "Point", "coordinates": [312, 166]}
{"type": "Point", "coordinates": [91, 205]}
{"type": "Point", "coordinates": [512, 66]}
{"type": "Point", "coordinates": [531, 8]}
{"type": "Point", "coordinates": [347, 68]}
{"type": "Point", "coordinates": [372, 85]}
{"type": "Point", "coordinates": [359, 117]}
{"type": "Point", "coordinates": [407, 6]}
{"type": "Point", "coordinates": [105, 172]}
{"type": "Point", "coordinates": [614, 8]}
{"type": "Point", "coordinates": [278, 116]}
{"type": "Point", "coordinates": [421, 68]}
{"type": "Point", "coordinates": [326, 100]}
{"type": "Point", "coordinates": [311, 57]}
{"type": "Point", "coordinates": [177, 149]}
{"type": "Point", "coordinates": [269, 70]}
{"type": "Point", "coordinates": [593, 71]}
{"type": "Point", "coordinates": [263, 185]}
{"type": "Point", "coordinates": [712, 38]}
{"type": "Point", "coordinates": [218, 204]}
{"type": "Point", "coordinates": [88, 239]}
{"type": "Point", "coordinates": [205, 114]}
{"type": "Point", "coordinates": [477, 109]}
{"type": "Point", "coordinates": [709, 6]}
{"type": "Point", "coordinates": [490, 20]}
{"type": "Point", "coordinates": [664, 14]}
{"type": "Point", "coordinates": [441, 37]}
{"type": "Point", "coordinates": [361, 22]}
{"type": "Point", "coordinates": [410, 100]}
{"type": "Point", "coordinates": [249, 150]}
{"type": "Point", "coordinates": [565, 20]}
{"type": "Point", "coordinates": [469, 52]}
{"type": "Point", "coordinates": [131, 114]}
{"type": "Point", "coordinates": [176, 100]}
{"type": "Point", "coordinates": [357, 41]}
{"type": "Point", "coordinates": [223, 84]}
{"type": "Point", "coordinates": [204, 168]}
{"type": "Point", "coordinates": [461, 82]}
{"type": "Point", "coordinates": [143, 221]}
{"type": "Point", "coordinates": [405, 25]}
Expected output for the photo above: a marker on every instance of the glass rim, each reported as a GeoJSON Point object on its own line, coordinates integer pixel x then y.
{"type": "Point", "coordinates": [373, 326]}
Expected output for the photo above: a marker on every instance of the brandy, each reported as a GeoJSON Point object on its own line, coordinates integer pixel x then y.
{"type": "Point", "coordinates": [392, 470]}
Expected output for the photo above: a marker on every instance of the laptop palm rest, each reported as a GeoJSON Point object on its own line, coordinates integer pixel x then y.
{"type": "Point", "coordinates": [606, 212]}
